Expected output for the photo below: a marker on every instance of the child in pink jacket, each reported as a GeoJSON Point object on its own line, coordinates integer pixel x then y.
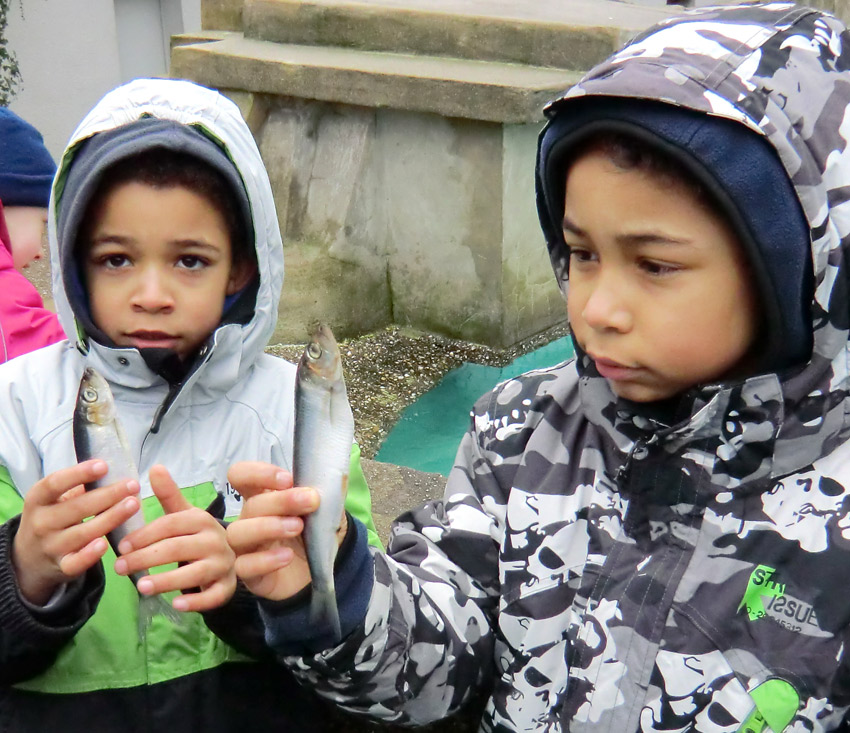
{"type": "Point", "coordinates": [26, 174]}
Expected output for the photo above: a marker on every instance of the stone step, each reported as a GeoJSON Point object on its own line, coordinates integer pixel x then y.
{"type": "Point", "coordinates": [450, 87]}
{"type": "Point", "coordinates": [569, 34]}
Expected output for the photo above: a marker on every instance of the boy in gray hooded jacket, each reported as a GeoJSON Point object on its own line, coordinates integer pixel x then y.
{"type": "Point", "coordinates": [654, 536]}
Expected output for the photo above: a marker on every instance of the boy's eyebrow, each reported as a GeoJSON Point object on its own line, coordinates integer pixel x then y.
{"type": "Point", "coordinates": [193, 243]}
{"type": "Point", "coordinates": [634, 239]}
{"type": "Point", "coordinates": [110, 238]}
{"type": "Point", "coordinates": [175, 243]}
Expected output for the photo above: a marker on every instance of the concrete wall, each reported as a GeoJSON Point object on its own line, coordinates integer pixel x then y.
{"type": "Point", "coordinates": [392, 216]}
{"type": "Point", "coordinates": [71, 52]}
{"type": "Point", "coordinates": [841, 8]}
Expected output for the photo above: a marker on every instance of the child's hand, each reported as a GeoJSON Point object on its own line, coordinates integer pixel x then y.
{"type": "Point", "coordinates": [52, 544]}
{"type": "Point", "coordinates": [186, 535]}
{"type": "Point", "coordinates": [270, 556]}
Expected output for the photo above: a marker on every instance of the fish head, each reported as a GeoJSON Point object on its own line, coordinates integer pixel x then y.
{"type": "Point", "coordinates": [321, 360]}
{"type": "Point", "coordinates": [95, 403]}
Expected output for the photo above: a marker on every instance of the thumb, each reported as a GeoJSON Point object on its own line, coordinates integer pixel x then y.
{"type": "Point", "coordinates": [167, 491]}
{"type": "Point", "coordinates": [250, 478]}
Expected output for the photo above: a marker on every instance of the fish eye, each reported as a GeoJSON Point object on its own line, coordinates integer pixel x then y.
{"type": "Point", "coordinates": [89, 394]}
{"type": "Point", "coordinates": [314, 350]}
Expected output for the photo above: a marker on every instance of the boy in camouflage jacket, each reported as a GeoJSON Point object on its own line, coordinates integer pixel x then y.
{"type": "Point", "coordinates": [654, 535]}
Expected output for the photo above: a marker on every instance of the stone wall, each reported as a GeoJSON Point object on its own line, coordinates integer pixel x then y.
{"type": "Point", "coordinates": [397, 217]}
{"type": "Point", "coordinates": [840, 8]}
{"type": "Point", "coordinates": [400, 137]}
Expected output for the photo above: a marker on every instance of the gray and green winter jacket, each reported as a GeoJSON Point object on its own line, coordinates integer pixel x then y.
{"type": "Point", "coordinates": [80, 665]}
{"type": "Point", "coordinates": [591, 568]}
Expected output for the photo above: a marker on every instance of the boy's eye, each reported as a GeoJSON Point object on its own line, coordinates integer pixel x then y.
{"type": "Point", "coordinates": [653, 267]}
{"type": "Point", "coordinates": [191, 262]}
{"type": "Point", "coordinates": [579, 254]}
{"type": "Point", "coordinates": [114, 262]}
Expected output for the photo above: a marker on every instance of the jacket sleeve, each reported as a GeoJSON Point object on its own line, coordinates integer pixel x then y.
{"type": "Point", "coordinates": [424, 645]}
{"type": "Point", "coordinates": [238, 623]}
{"type": "Point", "coordinates": [30, 638]}
{"type": "Point", "coordinates": [358, 501]}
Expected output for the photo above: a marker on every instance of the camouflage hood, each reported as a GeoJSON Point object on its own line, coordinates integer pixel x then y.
{"type": "Point", "coordinates": [780, 71]}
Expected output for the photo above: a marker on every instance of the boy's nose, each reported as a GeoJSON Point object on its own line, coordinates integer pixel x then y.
{"type": "Point", "coordinates": [605, 308]}
{"type": "Point", "coordinates": [152, 293]}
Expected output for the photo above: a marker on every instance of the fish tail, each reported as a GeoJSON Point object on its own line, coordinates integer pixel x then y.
{"type": "Point", "coordinates": [323, 610]}
{"type": "Point", "coordinates": [149, 606]}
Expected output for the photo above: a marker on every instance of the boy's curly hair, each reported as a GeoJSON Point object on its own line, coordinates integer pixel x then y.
{"type": "Point", "coordinates": [161, 168]}
{"type": "Point", "coordinates": [630, 153]}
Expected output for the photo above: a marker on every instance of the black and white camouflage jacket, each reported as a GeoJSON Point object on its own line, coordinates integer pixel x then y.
{"type": "Point", "coordinates": [591, 569]}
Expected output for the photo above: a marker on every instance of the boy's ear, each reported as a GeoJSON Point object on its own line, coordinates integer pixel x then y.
{"type": "Point", "coordinates": [241, 274]}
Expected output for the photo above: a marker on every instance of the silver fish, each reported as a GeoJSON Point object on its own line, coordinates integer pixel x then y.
{"type": "Point", "coordinates": [98, 434]}
{"type": "Point", "coordinates": [324, 433]}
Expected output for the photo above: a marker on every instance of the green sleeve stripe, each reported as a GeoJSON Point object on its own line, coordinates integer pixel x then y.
{"type": "Point", "coordinates": [358, 501]}
{"type": "Point", "coordinates": [11, 502]}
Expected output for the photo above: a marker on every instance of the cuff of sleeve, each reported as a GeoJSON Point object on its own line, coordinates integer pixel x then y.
{"type": "Point", "coordinates": [289, 629]}
{"type": "Point", "coordinates": [69, 607]}
{"type": "Point", "coordinates": [63, 598]}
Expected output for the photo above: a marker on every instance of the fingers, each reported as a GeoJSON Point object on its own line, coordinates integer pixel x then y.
{"type": "Point", "coordinates": [181, 537]}
{"type": "Point", "coordinates": [283, 503]}
{"type": "Point", "coordinates": [62, 525]}
{"type": "Point", "coordinates": [52, 487]}
{"type": "Point", "coordinates": [216, 587]}
{"type": "Point", "coordinates": [71, 493]}
{"type": "Point", "coordinates": [105, 518]}
{"type": "Point", "coordinates": [198, 543]}
{"type": "Point", "coordinates": [250, 478]}
{"type": "Point", "coordinates": [76, 563]}
{"type": "Point", "coordinates": [270, 556]}
{"type": "Point", "coordinates": [216, 595]}
{"type": "Point", "coordinates": [250, 534]}
{"type": "Point", "coordinates": [253, 566]}
{"type": "Point", "coordinates": [167, 491]}
{"type": "Point", "coordinates": [53, 543]}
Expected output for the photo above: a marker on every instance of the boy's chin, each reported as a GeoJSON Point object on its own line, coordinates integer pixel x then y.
{"type": "Point", "coordinates": [643, 393]}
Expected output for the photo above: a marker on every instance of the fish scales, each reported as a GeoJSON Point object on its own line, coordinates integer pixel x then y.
{"type": "Point", "coordinates": [324, 433]}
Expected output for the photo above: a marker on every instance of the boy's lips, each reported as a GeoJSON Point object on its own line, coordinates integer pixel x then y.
{"type": "Point", "coordinates": [613, 370]}
{"type": "Point", "coordinates": [152, 340]}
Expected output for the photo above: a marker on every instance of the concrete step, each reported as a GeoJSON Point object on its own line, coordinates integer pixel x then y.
{"type": "Point", "coordinates": [451, 87]}
{"type": "Point", "coordinates": [569, 34]}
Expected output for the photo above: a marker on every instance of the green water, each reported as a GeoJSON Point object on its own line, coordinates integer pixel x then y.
{"type": "Point", "coordinates": [427, 435]}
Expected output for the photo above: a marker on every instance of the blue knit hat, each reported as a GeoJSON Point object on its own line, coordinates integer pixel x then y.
{"type": "Point", "coordinates": [741, 172]}
{"type": "Point", "coordinates": [26, 168]}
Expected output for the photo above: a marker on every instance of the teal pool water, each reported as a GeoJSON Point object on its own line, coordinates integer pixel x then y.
{"type": "Point", "coordinates": [427, 435]}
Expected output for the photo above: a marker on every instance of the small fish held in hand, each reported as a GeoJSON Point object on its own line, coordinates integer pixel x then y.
{"type": "Point", "coordinates": [324, 433]}
{"type": "Point", "coordinates": [98, 434]}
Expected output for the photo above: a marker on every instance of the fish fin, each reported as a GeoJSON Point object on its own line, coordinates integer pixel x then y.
{"type": "Point", "coordinates": [323, 610]}
{"type": "Point", "coordinates": [149, 606]}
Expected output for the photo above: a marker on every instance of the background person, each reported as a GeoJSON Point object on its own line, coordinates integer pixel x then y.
{"type": "Point", "coordinates": [26, 173]}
